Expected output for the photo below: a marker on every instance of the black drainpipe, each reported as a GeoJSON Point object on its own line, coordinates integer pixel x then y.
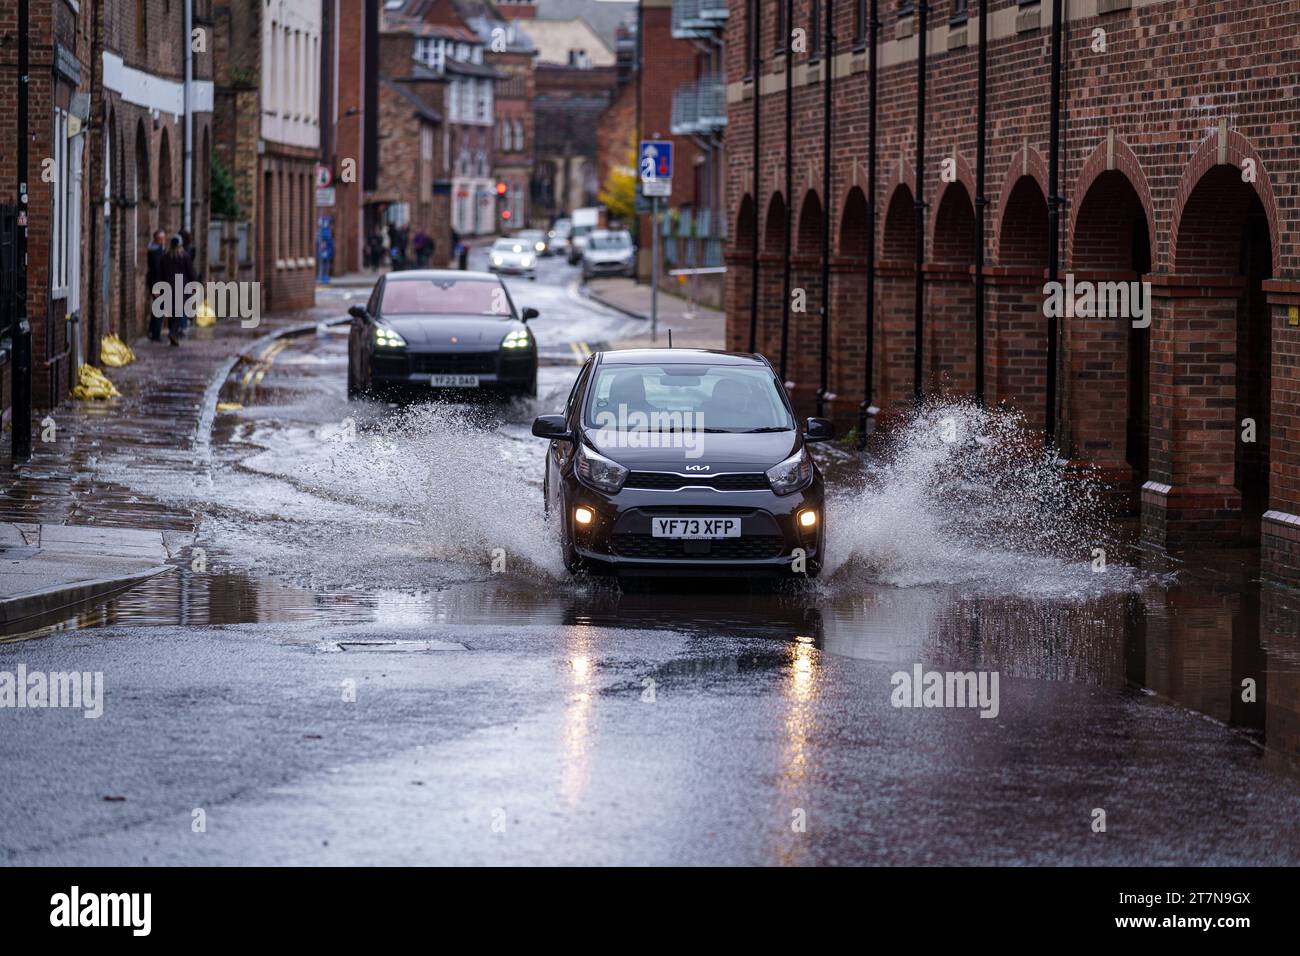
{"type": "Point", "coordinates": [829, 57]}
{"type": "Point", "coordinates": [1053, 217]}
{"type": "Point", "coordinates": [868, 383]}
{"type": "Point", "coordinates": [789, 176]}
{"type": "Point", "coordinates": [980, 201]}
{"type": "Point", "coordinates": [757, 7]}
{"type": "Point", "coordinates": [918, 363]}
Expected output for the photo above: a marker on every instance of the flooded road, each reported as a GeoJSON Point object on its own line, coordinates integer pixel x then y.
{"type": "Point", "coordinates": [1159, 687]}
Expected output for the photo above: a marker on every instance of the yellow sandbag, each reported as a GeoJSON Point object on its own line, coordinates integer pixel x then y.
{"type": "Point", "coordinates": [91, 384]}
{"type": "Point", "coordinates": [205, 316]}
{"type": "Point", "coordinates": [114, 352]}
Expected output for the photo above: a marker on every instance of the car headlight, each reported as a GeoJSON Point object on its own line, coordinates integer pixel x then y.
{"type": "Point", "coordinates": [793, 474]}
{"type": "Point", "coordinates": [517, 339]}
{"type": "Point", "coordinates": [540, 246]}
{"type": "Point", "coordinates": [497, 260]}
{"type": "Point", "coordinates": [526, 261]}
{"type": "Point", "coordinates": [388, 339]}
{"type": "Point", "coordinates": [600, 472]}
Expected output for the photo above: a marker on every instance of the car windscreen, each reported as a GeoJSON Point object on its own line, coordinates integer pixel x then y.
{"type": "Point", "coordinates": [597, 243]}
{"type": "Point", "coordinates": [444, 297]}
{"type": "Point", "coordinates": [509, 245]}
{"type": "Point", "coordinates": [723, 398]}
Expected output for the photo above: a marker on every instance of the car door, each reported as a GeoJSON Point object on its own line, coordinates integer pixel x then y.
{"type": "Point", "coordinates": [363, 332]}
{"type": "Point", "coordinates": [560, 452]}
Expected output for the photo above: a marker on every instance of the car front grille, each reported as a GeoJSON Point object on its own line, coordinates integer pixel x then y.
{"type": "Point", "coordinates": [453, 363]}
{"type": "Point", "coordinates": [749, 548]}
{"type": "Point", "coordinates": [667, 481]}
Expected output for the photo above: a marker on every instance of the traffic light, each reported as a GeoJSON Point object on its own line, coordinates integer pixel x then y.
{"type": "Point", "coordinates": [503, 200]}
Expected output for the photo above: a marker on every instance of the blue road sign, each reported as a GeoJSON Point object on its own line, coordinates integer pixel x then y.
{"type": "Point", "coordinates": [656, 160]}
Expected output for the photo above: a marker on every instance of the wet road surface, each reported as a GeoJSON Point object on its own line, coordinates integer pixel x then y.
{"type": "Point", "coordinates": [510, 714]}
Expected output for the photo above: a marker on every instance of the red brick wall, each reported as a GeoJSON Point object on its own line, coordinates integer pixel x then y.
{"type": "Point", "coordinates": [1142, 138]}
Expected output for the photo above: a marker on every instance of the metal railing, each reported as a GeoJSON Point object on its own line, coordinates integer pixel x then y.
{"type": "Point", "coordinates": [699, 107]}
{"type": "Point", "coordinates": [698, 18]}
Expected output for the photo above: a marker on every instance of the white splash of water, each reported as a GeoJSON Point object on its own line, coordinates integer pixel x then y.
{"type": "Point", "coordinates": [969, 496]}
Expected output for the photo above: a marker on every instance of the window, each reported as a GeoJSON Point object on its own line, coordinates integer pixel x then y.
{"type": "Point", "coordinates": [782, 32]}
{"type": "Point", "coordinates": [520, 146]}
{"type": "Point", "coordinates": [906, 8]}
{"type": "Point", "coordinates": [959, 11]}
{"type": "Point", "coordinates": [732, 398]}
{"type": "Point", "coordinates": [444, 297]}
{"type": "Point", "coordinates": [859, 23]}
{"type": "Point", "coordinates": [815, 27]}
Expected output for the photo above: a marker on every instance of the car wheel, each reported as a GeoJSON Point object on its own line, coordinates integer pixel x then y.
{"type": "Point", "coordinates": [572, 562]}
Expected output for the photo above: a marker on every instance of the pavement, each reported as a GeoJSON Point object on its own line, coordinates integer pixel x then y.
{"type": "Point", "coordinates": [692, 325]}
{"type": "Point", "coordinates": [47, 569]}
{"type": "Point", "coordinates": [68, 534]}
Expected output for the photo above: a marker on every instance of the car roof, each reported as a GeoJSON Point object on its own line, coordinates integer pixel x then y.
{"type": "Point", "coordinates": [680, 357]}
{"type": "Point", "coordinates": [430, 275]}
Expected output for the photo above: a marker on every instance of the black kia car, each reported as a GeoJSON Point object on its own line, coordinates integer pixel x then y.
{"type": "Point", "coordinates": [431, 332]}
{"type": "Point", "coordinates": [671, 461]}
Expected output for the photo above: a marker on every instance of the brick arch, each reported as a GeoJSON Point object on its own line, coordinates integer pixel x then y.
{"type": "Point", "coordinates": [952, 225]}
{"type": "Point", "coordinates": [774, 224]}
{"type": "Point", "coordinates": [1025, 161]}
{"type": "Point", "coordinates": [143, 188]}
{"type": "Point", "coordinates": [965, 177]}
{"type": "Point", "coordinates": [746, 232]}
{"type": "Point", "coordinates": [1126, 164]}
{"type": "Point", "coordinates": [1200, 168]}
{"type": "Point", "coordinates": [808, 228]}
{"type": "Point", "coordinates": [901, 173]}
{"type": "Point", "coordinates": [855, 228]}
{"type": "Point", "coordinates": [898, 226]}
{"type": "Point", "coordinates": [1022, 225]}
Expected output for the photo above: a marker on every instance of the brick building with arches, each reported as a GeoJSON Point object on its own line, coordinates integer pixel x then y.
{"type": "Point", "coordinates": [1177, 167]}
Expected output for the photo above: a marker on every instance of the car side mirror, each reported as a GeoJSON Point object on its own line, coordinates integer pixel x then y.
{"type": "Point", "coordinates": [529, 313]}
{"type": "Point", "coordinates": [819, 429]}
{"type": "Point", "coordinates": [553, 427]}
{"type": "Point", "coordinates": [358, 312]}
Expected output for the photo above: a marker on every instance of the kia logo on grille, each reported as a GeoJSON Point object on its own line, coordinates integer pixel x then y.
{"type": "Point", "coordinates": [697, 467]}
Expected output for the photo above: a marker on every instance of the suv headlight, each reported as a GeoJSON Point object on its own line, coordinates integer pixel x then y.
{"type": "Point", "coordinates": [526, 261]}
{"type": "Point", "coordinates": [517, 339]}
{"type": "Point", "coordinates": [600, 472]}
{"type": "Point", "coordinates": [793, 474]}
{"type": "Point", "coordinates": [388, 339]}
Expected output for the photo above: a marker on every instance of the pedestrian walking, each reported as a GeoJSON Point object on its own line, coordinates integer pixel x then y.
{"type": "Point", "coordinates": [423, 247]}
{"type": "Point", "coordinates": [152, 274]}
{"type": "Point", "coordinates": [176, 268]}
